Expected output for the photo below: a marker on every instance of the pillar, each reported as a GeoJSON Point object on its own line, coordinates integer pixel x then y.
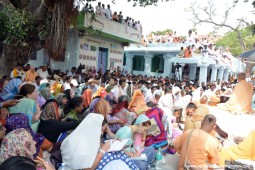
{"type": "Point", "coordinates": [214, 73]}
{"type": "Point", "coordinates": [220, 73]}
{"type": "Point", "coordinates": [147, 66]}
{"type": "Point", "coordinates": [192, 71]}
{"type": "Point", "coordinates": [129, 62]}
{"type": "Point", "coordinates": [203, 73]}
{"type": "Point", "coordinates": [226, 74]}
{"type": "Point", "coordinates": [167, 65]}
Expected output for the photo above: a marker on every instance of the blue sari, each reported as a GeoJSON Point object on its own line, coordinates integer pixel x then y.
{"type": "Point", "coordinates": [11, 89]}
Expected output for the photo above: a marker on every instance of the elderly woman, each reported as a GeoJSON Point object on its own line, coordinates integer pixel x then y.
{"type": "Point", "coordinates": [18, 142]}
{"type": "Point", "coordinates": [87, 153]}
{"type": "Point", "coordinates": [28, 105]}
{"type": "Point", "coordinates": [137, 134]}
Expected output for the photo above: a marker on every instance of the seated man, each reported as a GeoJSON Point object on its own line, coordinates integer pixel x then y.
{"type": "Point", "coordinates": [197, 147]}
{"type": "Point", "coordinates": [241, 100]}
{"type": "Point", "coordinates": [244, 150]}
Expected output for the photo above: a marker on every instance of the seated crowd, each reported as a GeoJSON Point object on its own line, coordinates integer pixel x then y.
{"type": "Point", "coordinates": [72, 120]}
{"type": "Point", "coordinates": [107, 13]}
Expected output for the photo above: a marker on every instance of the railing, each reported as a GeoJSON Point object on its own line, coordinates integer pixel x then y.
{"type": "Point", "coordinates": [109, 28]}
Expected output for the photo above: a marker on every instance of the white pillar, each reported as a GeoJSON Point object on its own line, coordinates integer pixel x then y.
{"type": "Point", "coordinates": [167, 65]}
{"type": "Point", "coordinates": [214, 73]}
{"type": "Point", "coordinates": [147, 64]}
{"type": "Point", "coordinates": [203, 73]}
{"type": "Point", "coordinates": [129, 62]}
{"type": "Point", "coordinates": [220, 73]}
{"type": "Point", "coordinates": [192, 71]}
{"type": "Point", "coordinates": [226, 74]}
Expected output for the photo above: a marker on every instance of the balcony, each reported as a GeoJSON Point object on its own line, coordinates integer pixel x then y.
{"type": "Point", "coordinates": [98, 25]}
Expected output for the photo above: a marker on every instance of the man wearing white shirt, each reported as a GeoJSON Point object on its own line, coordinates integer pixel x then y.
{"type": "Point", "coordinates": [43, 72]}
{"type": "Point", "coordinates": [108, 12]}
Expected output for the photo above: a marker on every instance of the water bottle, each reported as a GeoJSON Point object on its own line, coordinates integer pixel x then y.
{"type": "Point", "coordinates": [61, 166]}
{"type": "Point", "coordinates": [159, 159]}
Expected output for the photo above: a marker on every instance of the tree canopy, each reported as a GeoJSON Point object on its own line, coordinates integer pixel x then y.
{"type": "Point", "coordinates": [231, 40]}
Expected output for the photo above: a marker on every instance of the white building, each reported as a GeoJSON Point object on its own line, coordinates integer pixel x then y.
{"type": "Point", "coordinates": [161, 60]}
{"type": "Point", "coordinates": [96, 42]}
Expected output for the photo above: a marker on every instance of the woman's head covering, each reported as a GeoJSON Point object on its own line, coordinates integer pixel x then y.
{"type": "Point", "coordinates": [45, 93]}
{"type": "Point", "coordinates": [100, 92]}
{"type": "Point", "coordinates": [20, 120]}
{"type": "Point", "coordinates": [176, 89]}
{"type": "Point", "coordinates": [59, 97]}
{"type": "Point", "coordinates": [81, 154]}
{"type": "Point", "coordinates": [11, 89]}
{"type": "Point", "coordinates": [141, 119]}
{"type": "Point", "coordinates": [125, 133]}
{"type": "Point", "coordinates": [50, 111]}
{"type": "Point", "coordinates": [137, 103]}
{"type": "Point", "coordinates": [42, 86]}
{"type": "Point", "coordinates": [17, 143]}
{"type": "Point", "coordinates": [99, 105]}
{"type": "Point", "coordinates": [110, 97]}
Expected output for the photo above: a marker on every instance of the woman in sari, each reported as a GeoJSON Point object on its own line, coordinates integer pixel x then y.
{"type": "Point", "coordinates": [86, 152]}
{"type": "Point", "coordinates": [17, 143]}
{"type": "Point", "coordinates": [75, 107]}
{"type": "Point", "coordinates": [137, 103]}
{"type": "Point", "coordinates": [11, 89]}
{"type": "Point", "coordinates": [28, 105]}
{"type": "Point", "coordinates": [101, 106]}
{"type": "Point", "coordinates": [50, 124]}
{"type": "Point", "coordinates": [137, 134]}
{"type": "Point", "coordinates": [20, 120]}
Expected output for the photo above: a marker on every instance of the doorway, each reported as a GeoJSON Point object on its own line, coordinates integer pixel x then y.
{"type": "Point", "coordinates": [102, 59]}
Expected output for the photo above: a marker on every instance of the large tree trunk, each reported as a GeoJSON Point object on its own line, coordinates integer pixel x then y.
{"type": "Point", "coordinates": [248, 68]}
{"type": "Point", "coordinates": [11, 55]}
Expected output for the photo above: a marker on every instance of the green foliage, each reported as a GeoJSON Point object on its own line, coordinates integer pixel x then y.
{"type": "Point", "coordinates": [231, 40]}
{"type": "Point", "coordinates": [15, 25]}
{"type": "Point", "coordinates": [162, 32]}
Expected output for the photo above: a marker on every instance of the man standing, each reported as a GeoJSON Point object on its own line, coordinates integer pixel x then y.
{"type": "Point", "coordinates": [241, 99]}
{"type": "Point", "coordinates": [197, 147]}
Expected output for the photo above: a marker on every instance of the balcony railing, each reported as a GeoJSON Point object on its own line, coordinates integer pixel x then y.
{"type": "Point", "coordinates": [96, 24]}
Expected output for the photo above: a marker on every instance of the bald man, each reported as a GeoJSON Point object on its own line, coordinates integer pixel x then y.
{"type": "Point", "coordinates": [197, 147]}
{"type": "Point", "coordinates": [241, 99]}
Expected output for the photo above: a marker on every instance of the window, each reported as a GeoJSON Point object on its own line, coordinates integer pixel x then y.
{"type": "Point", "coordinates": [158, 63]}
{"type": "Point", "coordinates": [93, 48]}
{"type": "Point", "coordinates": [138, 63]}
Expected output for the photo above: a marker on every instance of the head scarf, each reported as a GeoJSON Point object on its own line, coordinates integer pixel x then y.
{"type": "Point", "coordinates": [110, 97]}
{"type": "Point", "coordinates": [92, 106]}
{"type": "Point", "coordinates": [20, 120]}
{"type": "Point", "coordinates": [137, 103]}
{"type": "Point", "coordinates": [81, 154]}
{"type": "Point", "coordinates": [100, 92]}
{"type": "Point", "coordinates": [50, 111]}
{"type": "Point", "coordinates": [141, 119]}
{"type": "Point", "coordinates": [42, 86]}
{"type": "Point", "coordinates": [59, 97]}
{"type": "Point", "coordinates": [11, 89]}
{"type": "Point", "coordinates": [125, 133]}
{"type": "Point", "coordinates": [45, 93]}
{"type": "Point", "coordinates": [17, 143]}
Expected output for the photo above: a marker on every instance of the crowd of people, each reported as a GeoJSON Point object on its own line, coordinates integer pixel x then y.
{"type": "Point", "coordinates": [72, 120]}
{"type": "Point", "coordinates": [194, 46]}
{"type": "Point", "coordinates": [101, 10]}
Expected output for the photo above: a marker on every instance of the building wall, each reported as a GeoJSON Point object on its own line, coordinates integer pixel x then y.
{"type": "Point", "coordinates": [78, 51]}
{"type": "Point", "coordinates": [89, 57]}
